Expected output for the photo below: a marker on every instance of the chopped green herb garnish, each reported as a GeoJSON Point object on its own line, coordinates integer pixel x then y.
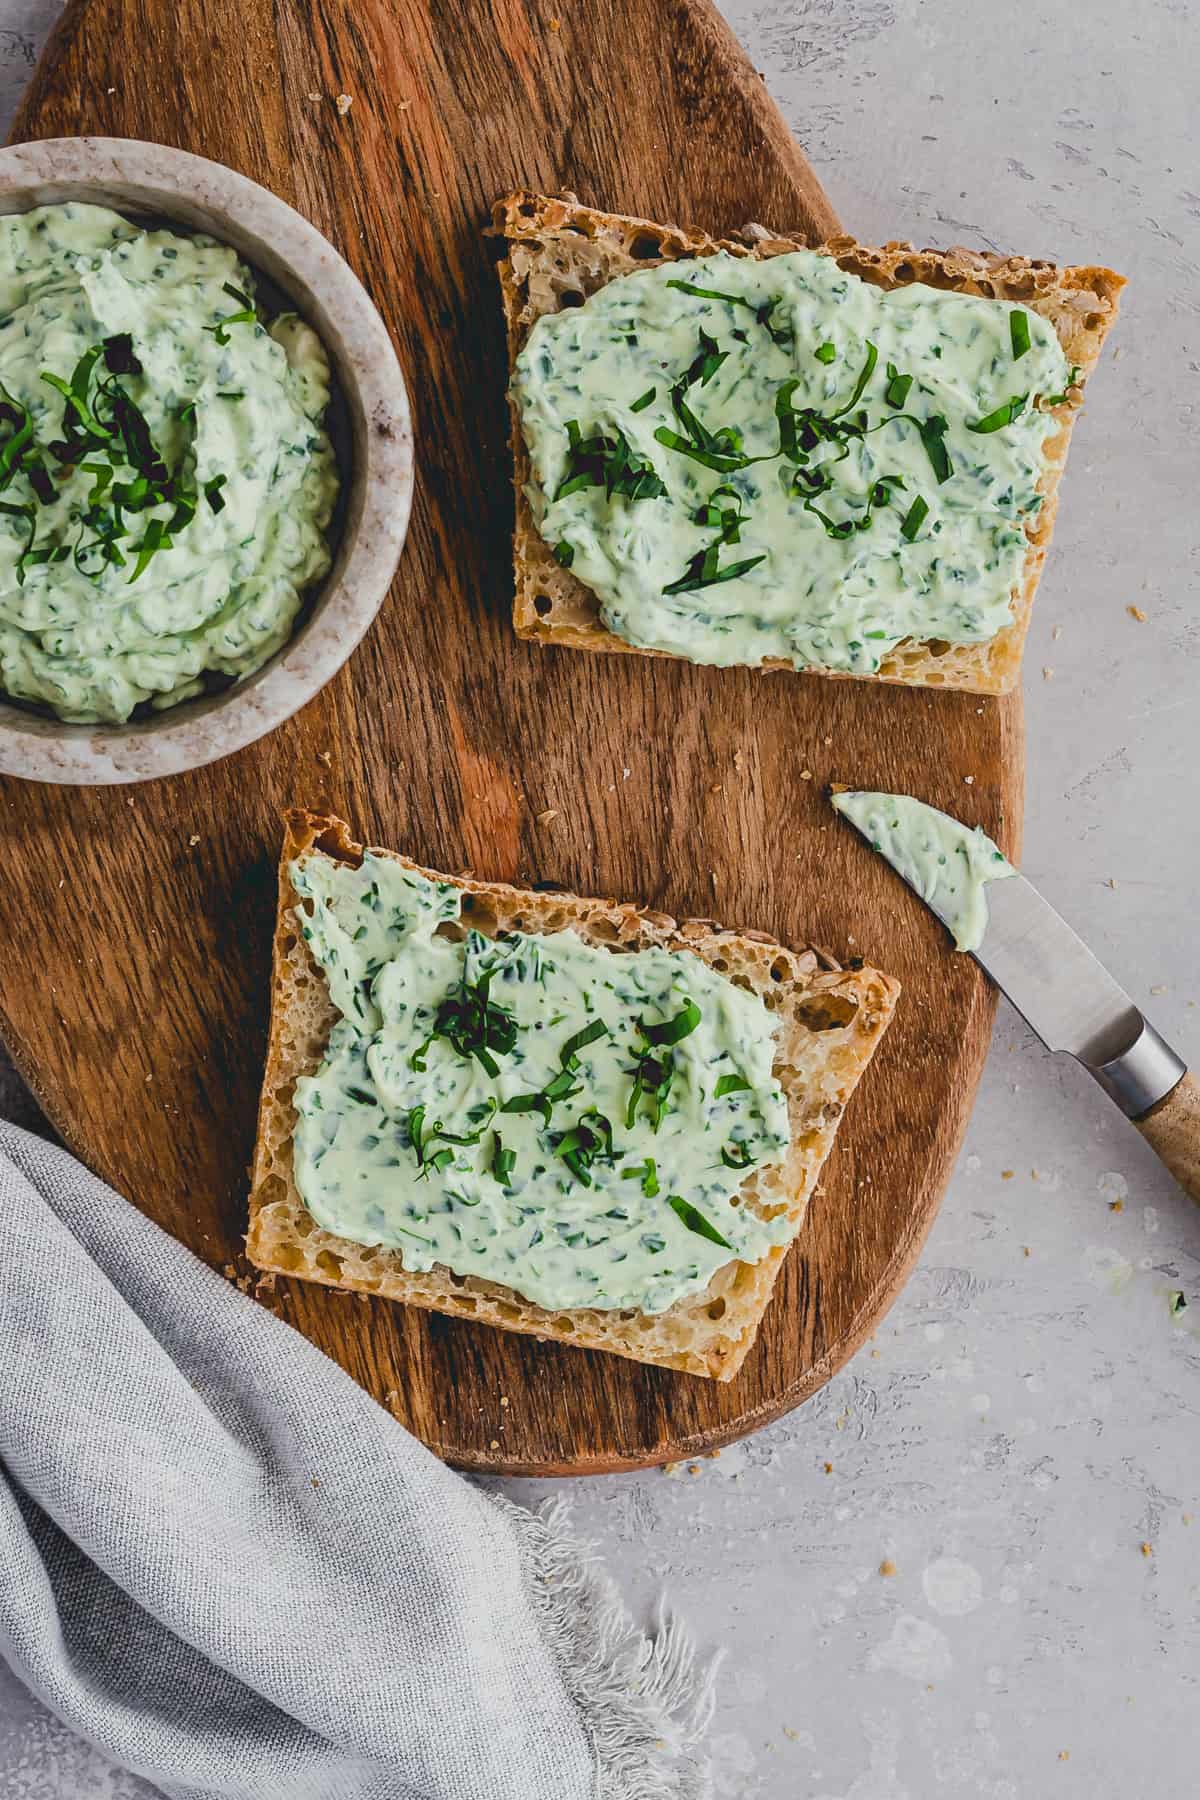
{"type": "Point", "coordinates": [248, 314]}
{"type": "Point", "coordinates": [652, 1078]}
{"type": "Point", "coordinates": [644, 400]}
{"type": "Point", "coordinates": [564, 553]}
{"type": "Point", "coordinates": [704, 568]}
{"type": "Point", "coordinates": [1018, 324]}
{"type": "Point", "coordinates": [1060, 399]}
{"type": "Point", "coordinates": [672, 1031]}
{"type": "Point", "coordinates": [932, 433]}
{"type": "Point", "coordinates": [523, 1103]}
{"type": "Point", "coordinates": [601, 461]}
{"type": "Point", "coordinates": [119, 358]}
{"type": "Point", "coordinates": [914, 518]}
{"type": "Point", "coordinates": [648, 1173]}
{"type": "Point", "coordinates": [896, 392]}
{"type": "Point", "coordinates": [730, 1084]}
{"type": "Point", "coordinates": [825, 353]}
{"type": "Point", "coordinates": [864, 375]}
{"type": "Point", "coordinates": [1002, 416]}
{"type": "Point", "coordinates": [503, 1161]}
{"type": "Point", "coordinates": [696, 1221]}
{"type": "Point", "coordinates": [154, 539]}
{"type": "Point", "coordinates": [475, 1025]}
{"type": "Point", "coordinates": [590, 1139]}
{"type": "Point", "coordinates": [761, 310]}
{"type": "Point", "coordinates": [569, 1054]}
{"type": "Point", "coordinates": [736, 1156]}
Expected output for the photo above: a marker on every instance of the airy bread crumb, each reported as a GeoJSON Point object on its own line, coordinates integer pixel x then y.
{"type": "Point", "coordinates": [830, 1021]}
{"type": "Point", "coordinates": [560, 252]}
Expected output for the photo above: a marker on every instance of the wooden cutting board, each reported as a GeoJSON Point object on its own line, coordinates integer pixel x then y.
{"type": "Point", "coordinates": [136, 922]}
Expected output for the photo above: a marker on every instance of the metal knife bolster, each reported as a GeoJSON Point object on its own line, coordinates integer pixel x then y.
{"type": "Point", "coordinates": [1141, 1076]}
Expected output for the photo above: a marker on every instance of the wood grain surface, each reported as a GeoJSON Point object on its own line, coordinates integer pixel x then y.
{"type": "Point", "coordinates": [136, 923]}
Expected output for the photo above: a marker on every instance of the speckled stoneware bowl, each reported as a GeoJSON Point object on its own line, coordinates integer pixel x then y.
{"type": "Point", "coordinates": [374, 444]}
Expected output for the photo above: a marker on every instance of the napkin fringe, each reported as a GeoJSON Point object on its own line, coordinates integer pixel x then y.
{"type": "Point", "coordinates": [646, 1699]}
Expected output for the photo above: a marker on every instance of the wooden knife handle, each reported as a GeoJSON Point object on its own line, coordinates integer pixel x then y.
{"type": "Point", "coordinates": [1172, 1129]}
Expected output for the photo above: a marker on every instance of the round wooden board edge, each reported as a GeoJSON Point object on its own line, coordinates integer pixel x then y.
{"type": "Point", "coordinates": [925, 1209]}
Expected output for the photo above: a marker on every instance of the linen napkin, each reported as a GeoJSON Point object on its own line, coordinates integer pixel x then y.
{"type": "Point", "coordinates": [229, 1569]}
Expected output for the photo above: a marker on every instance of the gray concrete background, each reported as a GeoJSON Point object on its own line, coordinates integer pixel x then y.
{"type": "Point", "coordinates": [1020, 1441]}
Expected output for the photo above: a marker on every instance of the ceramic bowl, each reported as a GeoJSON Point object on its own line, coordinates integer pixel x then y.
{"type": "Point", "coordinates": [370, 426]}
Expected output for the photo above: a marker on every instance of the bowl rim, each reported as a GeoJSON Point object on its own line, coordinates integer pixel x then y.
{"type": "Point", "coordinates": [201, 194]}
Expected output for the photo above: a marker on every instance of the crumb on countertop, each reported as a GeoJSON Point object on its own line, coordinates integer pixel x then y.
{"type": "Point", "coordinates": [1135, 612]}
{"type": "Point", "coordinates": [887, 1567]}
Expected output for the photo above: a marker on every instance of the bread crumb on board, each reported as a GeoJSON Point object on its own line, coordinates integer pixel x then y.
{"type": "Point", "coordinates": [548, 817]}
{"type": "Point", "coordinates": [343, 103]}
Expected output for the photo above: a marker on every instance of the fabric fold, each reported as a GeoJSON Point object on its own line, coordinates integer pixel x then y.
{"type": "Point", "coordinates": [228, 1568]}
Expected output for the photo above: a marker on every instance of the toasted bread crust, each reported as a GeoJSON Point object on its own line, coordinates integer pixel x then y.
{"type": "Point", "coordinates": [558, 247]}
{"type": "Point", "coordinates": [830, 1022]}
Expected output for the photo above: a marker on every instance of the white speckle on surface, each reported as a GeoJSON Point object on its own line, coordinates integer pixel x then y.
{"type": "Point", "coordinates": [952, 1587]}
{"type": "Point", "coordinates": [734, 1763]}
{"type": "Point", "coordinates": [916, 1649]}
{"type": "Point", "coordinates": [1107, 1269]}
{"type": "Point", "coordinates": [1112, 1185]}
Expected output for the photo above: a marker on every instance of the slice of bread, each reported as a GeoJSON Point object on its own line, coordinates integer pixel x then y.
{"type": "Point", "coordinates": [829, 1023]}
{"type": "Point", "coordinates": [559, 252]}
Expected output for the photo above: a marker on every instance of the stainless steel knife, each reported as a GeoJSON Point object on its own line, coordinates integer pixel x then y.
{"type": "Point", "coordinates": [1074, 1005]}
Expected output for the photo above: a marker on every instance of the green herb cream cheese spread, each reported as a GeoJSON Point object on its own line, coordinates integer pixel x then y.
{"type": "Point", "coordinates": [748, 459]}
{"type": "Point", "coordinates": [572, 1122]}
{"type": "Point", "coordinates": [947, 863]}
{"type": "Point", "coordinates": [165, 482]}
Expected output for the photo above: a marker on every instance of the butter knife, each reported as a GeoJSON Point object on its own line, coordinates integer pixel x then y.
{"type": "Point", "coordinates": [1056, 984]}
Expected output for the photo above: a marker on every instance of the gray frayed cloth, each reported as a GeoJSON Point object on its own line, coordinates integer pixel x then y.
{"type": "Point", "coordinates": [233, 1572]}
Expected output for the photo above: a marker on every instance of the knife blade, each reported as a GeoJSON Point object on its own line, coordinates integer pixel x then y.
{"type": "Point", "coordinates": [1061, 990]}
{"type": "Point", "coordinates": [1066, 995]}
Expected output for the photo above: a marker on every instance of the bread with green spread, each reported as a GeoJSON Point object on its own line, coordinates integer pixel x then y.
{"type": "Point", "coordinates": [562, 254]}
{"type": "Point", "coordinates": [825, 1024]}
